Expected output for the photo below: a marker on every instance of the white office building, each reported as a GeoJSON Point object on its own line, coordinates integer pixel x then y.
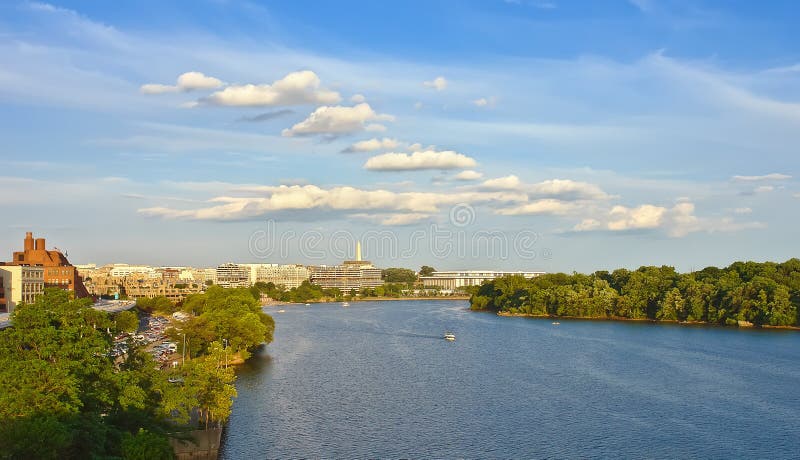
{"type": "Point", "coordinates": [454, 280]}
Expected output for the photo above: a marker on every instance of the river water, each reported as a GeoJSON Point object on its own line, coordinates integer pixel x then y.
{"type": "Point", "coordinates": [376, 380]}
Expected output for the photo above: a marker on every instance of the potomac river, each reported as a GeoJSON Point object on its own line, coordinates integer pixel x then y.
{"type": "Point", "coordinates": [376, 380]}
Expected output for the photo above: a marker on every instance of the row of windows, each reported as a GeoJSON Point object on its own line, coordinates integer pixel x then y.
{"type": "Point", "coordinates": [58, 271]}
{"type": "Point", "coordinates": [33, 287]}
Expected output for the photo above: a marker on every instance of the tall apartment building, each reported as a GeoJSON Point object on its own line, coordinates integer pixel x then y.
{"type": "Point", "coordinates": [351, 275]}
{"type": "Point", "coordinates": [233, 276]}
{"type": "Point", "coordinates": [19, 283]}
{"type": "Point", "coordinates": [58, 272]}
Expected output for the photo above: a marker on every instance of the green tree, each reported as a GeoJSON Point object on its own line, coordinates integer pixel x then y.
{"type": "Point", "coordinates": [426, 270]}
{"type": "Point", "coordinates": [127, 321]}
{"type": "Point", "coordinates": [145, 445]}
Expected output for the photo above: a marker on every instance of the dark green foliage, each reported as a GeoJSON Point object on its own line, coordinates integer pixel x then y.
{"type": "Point", "coordinates": [760, 293]}
{"type": "Point", "coordinates": [399, 275]}
{"type": "Point", "coordinates": [126, 321]}
{"type": "Point", "coordinates": [156, 305]}
{"type": "Point", "coordinates": [146, 446]}
{"type": "Point", "coordinates": [223, 314]}
{"type": "Point", "coordinates": [304, 293]}
{"type": "Point", "coordinates": [426, 270]}
{"type": "Point", "coordinates": [63, 396]}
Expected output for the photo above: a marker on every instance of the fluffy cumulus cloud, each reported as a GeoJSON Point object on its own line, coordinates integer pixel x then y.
{"type": "Point", "coordinates": [568, 189]}
{"type": "Point", "coordinates": [544, 206]}
{"type": "Point", "coordinates": [765, 177]}
{"type": "Point", "coordinates": [336, 120]}
{"type": "Point", "coordinates": [373, 144]}
{"type": "Point", "coordinates": [468, 175]}
{"type": "Point", "coordinates": [296, 88]}
{"type": "Point", "coordinates": [258, 201]}
{"type": "Point", "coordinates": [426, 159]}
{"type": "Point", "coordinates": [357, 98]}
{"type": "Point", "coordinates": [511, 182]}
{"type": "Point", "coordinates": [677, 221]}
{"type": "Point", "coordinates": [188, 81]}
{"type": "Point", "coordinates": [438, 83]}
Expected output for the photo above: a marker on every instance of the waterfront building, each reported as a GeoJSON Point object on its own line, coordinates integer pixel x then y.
{"type": "Point", "coordinates": [19, 283]}
{"type": "Point", "coordinates": [289, 276]}
{"type": "Point", "coordinates": [58, 272]}
{"type": "Point", "coordinates": [455, 280]}
{"type": "Point", "coordinates": [351, 275]}
{"type": "Point", "coordinates": [233, 275]}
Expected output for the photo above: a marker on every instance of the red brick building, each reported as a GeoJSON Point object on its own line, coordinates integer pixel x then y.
{"type": "Point", "coordinates": [58, 272]}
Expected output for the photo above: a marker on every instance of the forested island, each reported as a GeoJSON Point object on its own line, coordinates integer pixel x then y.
{"type": "Point", "coordinates": [67, 395]}
{"type": "Point", "coordinates": [743, 294]}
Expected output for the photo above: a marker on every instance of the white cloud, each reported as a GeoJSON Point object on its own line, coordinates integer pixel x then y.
{"type": "Point", "coordinates": [438, 83]}
{"type": "Point", "coordinates": [375, 128]}
{"type": "Point", "coordinates": [511, 182]}
{"type": "Point", "coordinates": [543, 206]}
{"type": "Point", "coordinates": [676, 222]}
{"type": "Point", "coordinates": [765, 177]}
{"type": "Point", "coordinates": [764, 189]}
{"type": "Point", "coordinates": [568, 189]}
{"type": "Point", "coordinates": [262, 200]}
{"type": "Point", "coordinates": [188, 81]}
{"type": "Point", "coordinates": [484, 102]}
{"type": "Point", "coordinates": [373, 144]}
{"type": "Point", "coordinates": [357, 98]}
{"type": "Point", "coordinates": [337, 120]}
{"type": "Point", "coordinates": [418, 106]}
{"type": "Point", "coordinates": [468, 175]}
{"type": "Point", "coordinates": [742, 210]}
{"type": "Point", "coordinates": [426, 159]}
{"type": "Point", "coordinates": [296, 88]}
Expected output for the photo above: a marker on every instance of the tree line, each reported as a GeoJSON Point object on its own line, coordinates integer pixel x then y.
{"type": "Point", "coordinates": [765, 293]}
{"type": "Point", "coordinates": [65, 396]}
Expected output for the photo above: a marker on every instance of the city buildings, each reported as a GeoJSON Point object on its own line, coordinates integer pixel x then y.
{"type": "Point", "coordinates": [351, 275]}
{"type": "Point", "coordinates": [233, 275]}
{"type": "Point", "coordinates": [288, 276]}
{"type": "Point", "coordinates": [454, 280]}
{"type": "Point", "coordinates": [19, 283]}
{"type": "Point", "coordinates": [58, 272]}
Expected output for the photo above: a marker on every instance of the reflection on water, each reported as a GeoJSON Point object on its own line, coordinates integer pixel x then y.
{"type": "Point", "coordinates": [378, 380]}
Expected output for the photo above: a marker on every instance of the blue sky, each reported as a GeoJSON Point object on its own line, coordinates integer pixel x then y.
{"type": "Point", "coordinates": [526, 134]}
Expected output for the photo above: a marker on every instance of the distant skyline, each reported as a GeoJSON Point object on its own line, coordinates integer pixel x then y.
{"type": "Point", "coordinates": [604, 134]}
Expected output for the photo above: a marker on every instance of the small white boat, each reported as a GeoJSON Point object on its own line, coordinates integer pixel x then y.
{"type": "Point", "coordinates": [281, 311]}
{"type": "Point", "coordinates": [556, 323]}
{"type": "Point", "coordinates": [308, 305]}
{"type": "Point", "coordinates": [449, 336]}
{"type": "Point", "coordinates": [345, 304]}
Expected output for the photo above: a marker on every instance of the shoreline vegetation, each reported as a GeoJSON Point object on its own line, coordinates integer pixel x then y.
{"type": "Point", "coordinates": [745, 294]}
{"type": "Point", "coordinates": [640, 320]}
{"type": "Point", "coordinates": [66, 394]}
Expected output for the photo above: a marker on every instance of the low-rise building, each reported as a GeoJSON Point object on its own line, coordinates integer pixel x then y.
{"type": "Point", "coordinates": [19, 283]}
{"type": "Point", "coordinates": [455, 280]}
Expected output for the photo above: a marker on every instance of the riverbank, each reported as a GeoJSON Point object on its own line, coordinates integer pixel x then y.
{"type": "Point", "coordinates": [641, 320]}
{"type": "Point", "coordinates": [277, 303]}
